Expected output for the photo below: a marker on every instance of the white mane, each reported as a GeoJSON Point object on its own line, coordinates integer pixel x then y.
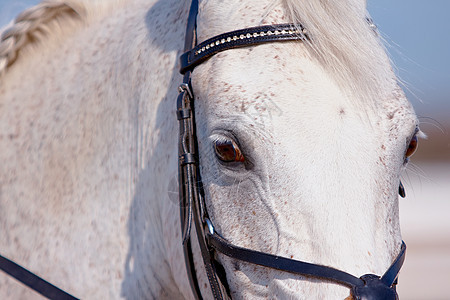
{"type": "Point", "coordinates": [345, 44]}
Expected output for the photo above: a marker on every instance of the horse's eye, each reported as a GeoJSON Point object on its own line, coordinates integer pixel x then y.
{"type": "Point", "coordinates": [412, 147]}
{"type": "Point", "coordinates": [227, 150]}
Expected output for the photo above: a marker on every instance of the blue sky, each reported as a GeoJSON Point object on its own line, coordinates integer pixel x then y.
{"type": "Point", "coordinates": [418, 34]}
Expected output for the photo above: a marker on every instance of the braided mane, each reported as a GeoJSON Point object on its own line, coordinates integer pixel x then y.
{"type": "Point", "coordinates": [30, 25]}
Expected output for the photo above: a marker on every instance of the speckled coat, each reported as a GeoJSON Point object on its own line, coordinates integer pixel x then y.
{"type": "Point", "coordinates": [88, 149]}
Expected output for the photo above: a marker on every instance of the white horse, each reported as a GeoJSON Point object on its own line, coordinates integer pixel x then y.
{"type": "Point", "coordinates": [89, 146]}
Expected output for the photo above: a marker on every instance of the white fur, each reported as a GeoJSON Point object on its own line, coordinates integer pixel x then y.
{"type": "Point", "coordinates": [89, 148]}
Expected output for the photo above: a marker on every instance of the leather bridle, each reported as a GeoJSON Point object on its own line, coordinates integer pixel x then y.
{"type": "Point", "coordinates": [193, 208]}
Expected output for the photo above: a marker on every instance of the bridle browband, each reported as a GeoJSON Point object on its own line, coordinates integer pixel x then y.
{"type": "Point", "coordinates": [193, 208]}
{"type": "Point", "coordinates": [239, 38]}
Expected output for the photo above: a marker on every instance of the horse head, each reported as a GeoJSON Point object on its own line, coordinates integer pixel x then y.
{"type": "Point", "coordinates": [301, 144]}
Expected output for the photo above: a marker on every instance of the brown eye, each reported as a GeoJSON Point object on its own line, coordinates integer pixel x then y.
{"type": "Point", "coordinates": [412, 147]}
{"type": "Point", "coordinates": [228, 151]}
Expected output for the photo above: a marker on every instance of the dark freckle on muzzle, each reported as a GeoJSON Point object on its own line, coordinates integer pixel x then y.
{"type": "Point", "coordinates": [236, 266]}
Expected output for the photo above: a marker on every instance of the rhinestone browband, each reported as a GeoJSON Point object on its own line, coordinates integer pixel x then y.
{"type": "Point", "coordinates": [240, 38]}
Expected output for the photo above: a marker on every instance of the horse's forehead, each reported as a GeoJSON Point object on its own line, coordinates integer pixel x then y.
{"type": "Point", "coordinates": [244, 76]}
{"type": "Point", "coordinates": [282, 80]}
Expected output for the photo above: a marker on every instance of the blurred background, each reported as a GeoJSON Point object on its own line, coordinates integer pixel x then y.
{"type": "Point", "coordinates": [417, 35]}
{"type": "Point", "coordinates": [418, 39]}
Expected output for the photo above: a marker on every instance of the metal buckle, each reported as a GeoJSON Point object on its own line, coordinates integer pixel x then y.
{"type": "Point", "coordinates": [184, 87]}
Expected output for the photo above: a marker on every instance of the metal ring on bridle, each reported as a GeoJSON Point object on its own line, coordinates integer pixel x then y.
{"type": "Point", "coordinates": [210, 226]}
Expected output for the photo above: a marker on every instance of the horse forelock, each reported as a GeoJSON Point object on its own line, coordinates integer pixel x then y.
{"type": "Point", "coordinates": [347, 47]}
